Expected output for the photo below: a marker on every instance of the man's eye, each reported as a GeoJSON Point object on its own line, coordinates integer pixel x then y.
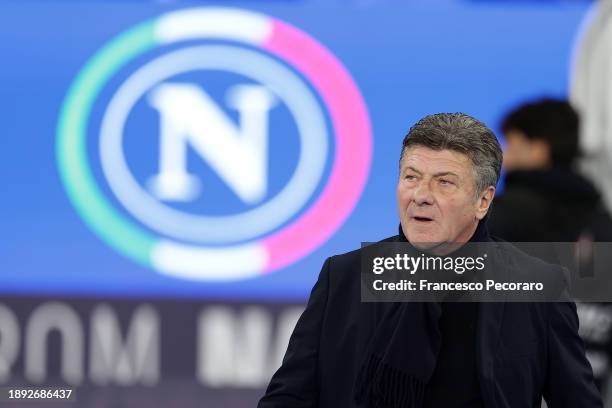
{"type": "Point", "coordinates": [445, 182]}
{"type": "Point", "coordinates": [410, 177]}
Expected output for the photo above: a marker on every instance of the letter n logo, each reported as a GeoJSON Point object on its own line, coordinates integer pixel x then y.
{"type": "Point", "coordinates": [203, 96]}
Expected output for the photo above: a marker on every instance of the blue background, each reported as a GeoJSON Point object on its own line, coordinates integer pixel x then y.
{"type": "Point", "coordinates": [408, 60]}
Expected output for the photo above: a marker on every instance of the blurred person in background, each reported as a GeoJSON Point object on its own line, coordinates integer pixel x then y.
{"type": "Point", "coordinates": [546, 200]}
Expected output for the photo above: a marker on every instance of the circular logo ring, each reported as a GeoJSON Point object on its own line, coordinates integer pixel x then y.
{"type": "Point", "coordinates": [350, 124]}
{"type": "Point", "coordinates": [225, 229]}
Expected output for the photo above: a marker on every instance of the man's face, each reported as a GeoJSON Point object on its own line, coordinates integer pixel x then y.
{"type": "Point", "coordinates": [436, 196]}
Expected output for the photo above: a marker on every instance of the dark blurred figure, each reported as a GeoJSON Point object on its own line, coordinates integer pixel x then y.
{"type": "Point", "coordinates": [546, 200]}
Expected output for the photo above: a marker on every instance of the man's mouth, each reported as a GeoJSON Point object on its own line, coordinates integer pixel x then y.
{"type": "Point", "coordinates": [422, 219]}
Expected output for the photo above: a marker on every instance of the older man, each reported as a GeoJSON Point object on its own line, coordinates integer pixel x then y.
{"type": "Point", "coordinates": [345, 353]}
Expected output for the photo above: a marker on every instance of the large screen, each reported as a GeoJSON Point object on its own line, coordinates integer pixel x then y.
{"type": "Point", "coordinates": [224, 150]}
{"type": "Point", "coordinates": [194, 164]}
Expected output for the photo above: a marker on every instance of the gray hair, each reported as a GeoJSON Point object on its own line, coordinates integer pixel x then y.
{"type": "Point", "coordinates": [464, 134]}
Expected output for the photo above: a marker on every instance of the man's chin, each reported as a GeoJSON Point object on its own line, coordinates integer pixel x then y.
{"type": "Point", "coordinates": [424, 245]}
{"type": "Point", "coordinates": [437, 248]}
{"type": "Point", "coordinates": [421, 239]}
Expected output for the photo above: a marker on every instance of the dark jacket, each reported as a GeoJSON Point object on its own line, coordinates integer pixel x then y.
{"type": "Point", "coordinates": [556, 205]}
{"type": "Point", "coordinates": [523, 350]}
{"type": "Point", "coordinates": [560, 205]}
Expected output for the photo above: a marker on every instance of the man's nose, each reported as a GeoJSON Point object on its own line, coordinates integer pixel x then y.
{"type": "Point", "coordinates": [423, 194]}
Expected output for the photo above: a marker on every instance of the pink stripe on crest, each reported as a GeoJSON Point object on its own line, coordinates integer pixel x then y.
{"type": "Point", "coordinates": [353, 145]}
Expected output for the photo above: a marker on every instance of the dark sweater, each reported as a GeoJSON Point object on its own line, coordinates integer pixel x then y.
{"type": "Point", "coordinates": [454, 383]}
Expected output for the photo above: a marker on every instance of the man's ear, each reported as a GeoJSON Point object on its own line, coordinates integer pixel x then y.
{"type": "Point", "coordinates": [484, 202]}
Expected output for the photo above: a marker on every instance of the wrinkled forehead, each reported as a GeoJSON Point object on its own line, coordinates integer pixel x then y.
{"type": "Point", "coordinates": [430, 161]}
